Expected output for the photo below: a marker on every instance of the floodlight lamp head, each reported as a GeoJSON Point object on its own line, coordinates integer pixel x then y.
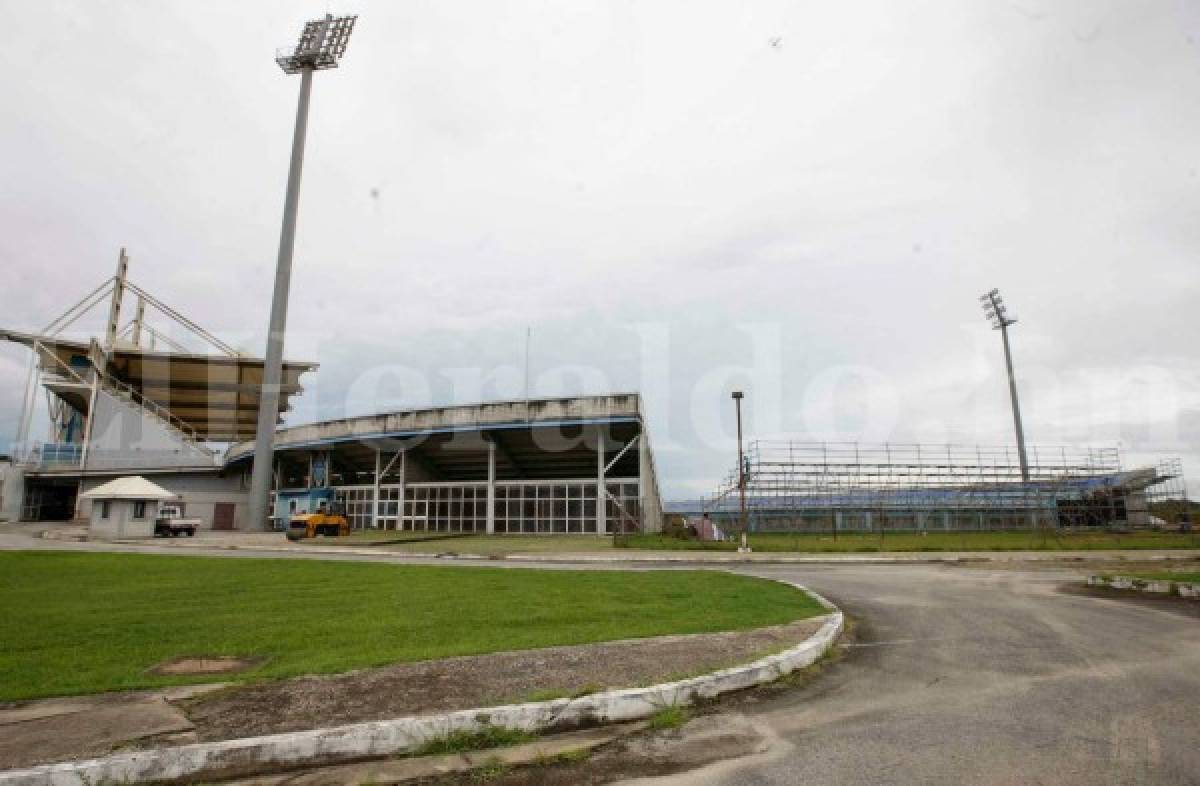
{"type": "Point", "coordinates": [737, 394]}
{"type": "Point", "coordinates": [322, 44]}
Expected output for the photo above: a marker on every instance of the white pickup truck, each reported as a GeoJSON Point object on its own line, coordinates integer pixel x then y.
{"type": "Point", "coordinates": [170, 523]}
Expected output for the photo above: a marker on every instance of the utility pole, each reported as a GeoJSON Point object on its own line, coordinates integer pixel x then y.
{"type": "Point", "coordinates": [997, 314]}
{"type": "Point", "coordinates": [737, 402]}
{"type": "Point", "coordinates": [322, 43]}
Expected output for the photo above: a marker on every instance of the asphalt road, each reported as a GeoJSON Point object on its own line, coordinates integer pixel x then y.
{"type": "Point", "coordinates": [968, 675]}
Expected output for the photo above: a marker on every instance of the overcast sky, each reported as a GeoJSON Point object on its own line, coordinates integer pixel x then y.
{"type": "Point", "coordinates": [801, 199]}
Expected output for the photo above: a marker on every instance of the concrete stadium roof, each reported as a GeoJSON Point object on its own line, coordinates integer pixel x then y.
{"type": "Point", "coordinates": [543, 438]}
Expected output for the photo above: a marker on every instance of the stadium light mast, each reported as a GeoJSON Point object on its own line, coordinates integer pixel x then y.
{"type": "Point", "coordinates": [322, 44]}
{"type": "Point", "coordinates": [997, 315]}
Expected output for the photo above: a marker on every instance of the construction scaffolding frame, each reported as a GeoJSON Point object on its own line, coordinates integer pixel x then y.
{"type": "Point", "coordinates": [851, 487]}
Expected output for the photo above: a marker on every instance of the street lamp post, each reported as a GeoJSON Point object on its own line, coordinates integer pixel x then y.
{"type": "Point", "coordinates": [737, 402]}
{"type": "Point", "coordinates": [997, 314]}
{"type": "Point", "coordinates": [322, 43]}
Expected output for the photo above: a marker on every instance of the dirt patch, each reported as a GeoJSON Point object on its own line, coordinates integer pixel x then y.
{"type": "Point", "coordinates": [205, 664]}
{"type": "Point", "coordinates": [477, 681]}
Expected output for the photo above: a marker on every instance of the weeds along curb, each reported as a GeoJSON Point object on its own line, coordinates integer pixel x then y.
{"type": "Point", "coordinates": [360, 741]}
{"type": "Point", "coordinates": [1152, 586]}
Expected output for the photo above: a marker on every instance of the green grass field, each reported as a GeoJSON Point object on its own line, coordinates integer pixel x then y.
{"type": "Point", "coordinates": [934, 541]}
{"type": "Point", "coordinates": [82, 623]}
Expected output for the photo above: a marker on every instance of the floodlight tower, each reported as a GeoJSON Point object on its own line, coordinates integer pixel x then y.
{"type": "Point", "coordinates": [322, 43]}
{"type": "Point", "coordinates": [997, 314]}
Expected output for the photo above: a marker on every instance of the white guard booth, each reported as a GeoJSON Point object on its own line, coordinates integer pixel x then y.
{"type": "Point", "coordinates": [126, 507]}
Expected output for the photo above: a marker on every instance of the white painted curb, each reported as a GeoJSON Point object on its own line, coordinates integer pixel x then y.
{"type": "Point", "coordinates": [252, 755]}
{"type": "Point", "coordinates": [1156, 586]}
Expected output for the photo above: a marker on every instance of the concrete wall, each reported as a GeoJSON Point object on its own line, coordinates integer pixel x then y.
{"type": "Point", "coordinates": [12, 491]}
{"type": "Point", "coordinates": [652, 511]}
{"type": "Point", "coordinates": [1137, 509]}
{"type": "Point", "coordinates": [120, 522]}
{"type": "Point", "coordinates": [199, 491]}
{"type": "Point", "coordinates": [126, 437]}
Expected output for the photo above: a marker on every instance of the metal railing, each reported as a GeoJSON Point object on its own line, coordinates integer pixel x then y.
{"type": "Point", "coordinates": [122, 390]}
{"type": "Point", "coordinates": [50, 454]}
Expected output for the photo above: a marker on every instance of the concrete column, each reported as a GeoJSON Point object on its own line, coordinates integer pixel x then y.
{"type": "Point", "coordinates": [946, 521]}
{"type": "Point", "coordinates": [12, 493]}
{"type": "Point", "coordinates": [87, 437]}
{"type": "Point", "coordinates": [375, 499]}
{"type": "Point", "coordinates": [403, 490]}
{"type": "Point", "coordinates": [491, 489]}
{"type": "Point", "coordinates": [601, 491]}
{"type": "Point", "coordinates": [268, 407]}
{"type": "Point", "coordinates": [867, 521]}
{"type": "Point", "coordinates": [277, 480]}
{"type": "Point", "coordinates": [838, 526]}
